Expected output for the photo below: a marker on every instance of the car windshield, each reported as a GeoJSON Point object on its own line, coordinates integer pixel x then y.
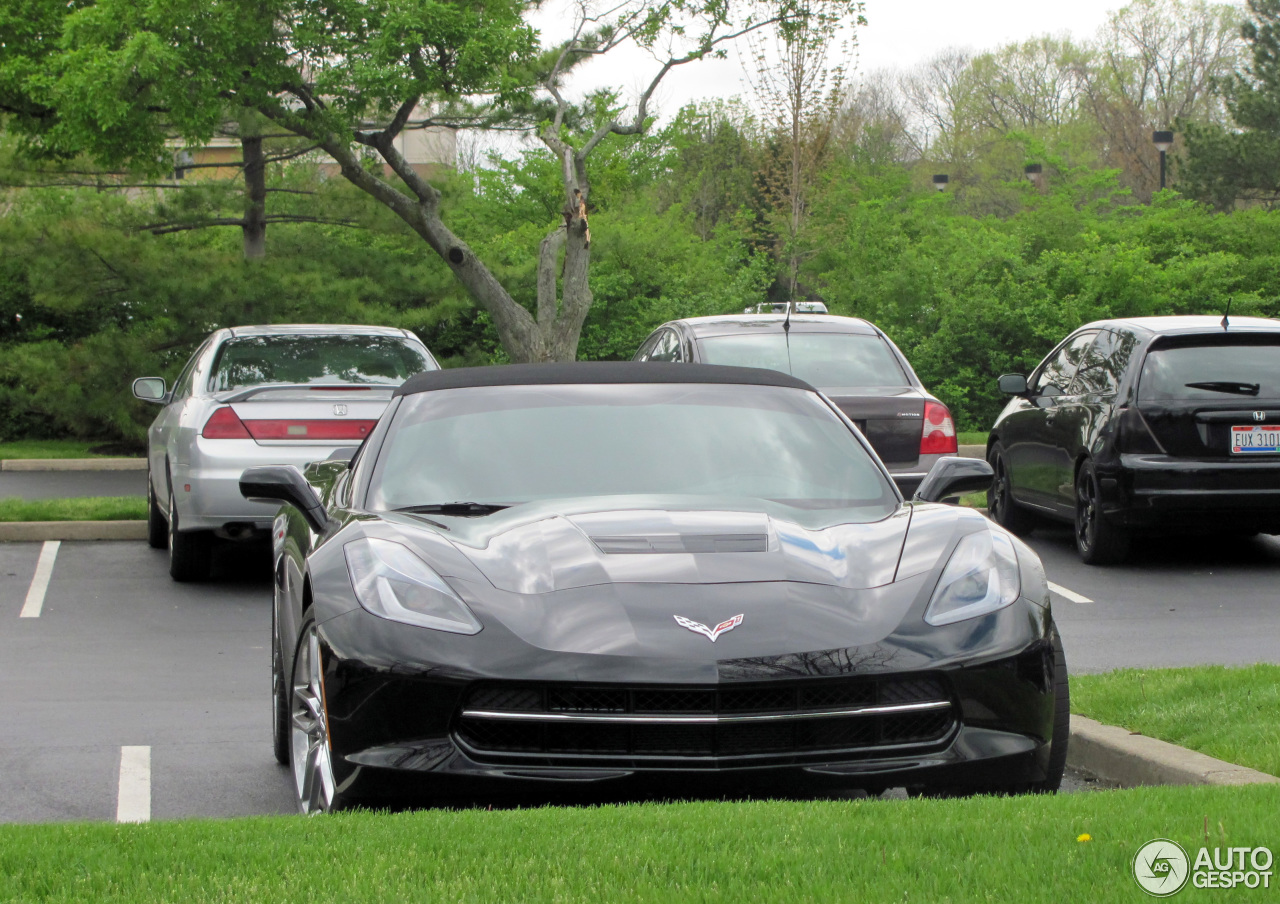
{"type": "Point", "coordinates": [820, 359]}
{"type": "Point", "coordinates": [1229, 366]}
{"type": "Point", "coordinates": [512, 444]}
{"type": "Point", "coordinates": [375, 360]}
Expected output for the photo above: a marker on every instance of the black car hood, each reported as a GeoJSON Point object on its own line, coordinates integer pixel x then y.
{"type": "Point", "coordinates": [548, 547]}
{"type": "Point", "coordinates": [575, 578]}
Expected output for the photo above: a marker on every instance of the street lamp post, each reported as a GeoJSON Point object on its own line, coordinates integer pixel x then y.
{"type": "Point", "coordinates": [940, 181]}
{"type": "Point", "coordinates": [1163, 141]}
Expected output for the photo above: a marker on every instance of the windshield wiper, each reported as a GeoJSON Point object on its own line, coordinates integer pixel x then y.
{"type": "Point", "coordinates": [453, 508]}
{"type": "Point", "coordinates": [1227, 386]}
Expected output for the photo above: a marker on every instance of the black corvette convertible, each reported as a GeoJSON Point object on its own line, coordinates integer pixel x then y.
{"type": "Point", "coordinates": [611, 573]}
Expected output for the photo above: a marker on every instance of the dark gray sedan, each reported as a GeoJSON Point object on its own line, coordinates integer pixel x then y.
{"type": "Point", "coordinates": [849, 360]}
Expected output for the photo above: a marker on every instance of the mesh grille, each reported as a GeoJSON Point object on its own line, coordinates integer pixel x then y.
{"type": "Point", "coordinates": [693, 742]}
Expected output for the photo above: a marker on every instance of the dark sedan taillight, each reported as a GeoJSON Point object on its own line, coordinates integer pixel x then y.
{"type": "Point", "coordinates": [225, 424]}
{"type": "Point", "coordinates": [939, 434]}
{"type": "Point", "coordinates": [1133, 434]}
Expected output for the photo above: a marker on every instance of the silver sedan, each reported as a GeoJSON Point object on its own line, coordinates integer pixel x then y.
{"type": "Point", "coordinates": [259, 395]}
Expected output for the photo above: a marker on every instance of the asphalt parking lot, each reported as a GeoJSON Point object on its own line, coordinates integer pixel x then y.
{"type": "Point", "coordinates": [127, 696]}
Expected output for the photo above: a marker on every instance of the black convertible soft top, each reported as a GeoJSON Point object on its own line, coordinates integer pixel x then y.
{"type": "Point", "coordinates": [596, 372]}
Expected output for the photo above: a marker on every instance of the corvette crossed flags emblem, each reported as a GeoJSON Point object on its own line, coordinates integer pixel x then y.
{"type": "Point", "coordinates": [710, 633]}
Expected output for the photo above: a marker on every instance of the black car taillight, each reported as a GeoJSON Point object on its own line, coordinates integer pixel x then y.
{"type": "Point", "coordinates": [1133, 434]}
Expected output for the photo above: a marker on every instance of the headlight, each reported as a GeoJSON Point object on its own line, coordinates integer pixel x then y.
{"type": "Point", "coordinates": [981, 577]}
{"type": "Point", "coordinates": [391, 582]}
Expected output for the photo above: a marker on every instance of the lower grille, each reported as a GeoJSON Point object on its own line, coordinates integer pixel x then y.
{"type": "Point", "coordinates": [699, 723]}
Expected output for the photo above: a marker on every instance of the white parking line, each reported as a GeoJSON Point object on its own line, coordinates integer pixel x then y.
{"type": "Point", "coordinates": [40, 583]}
{"type": "Point", "coordinates": [1068, 594]}
{"type": "Point", "coordinates": [133, 802]}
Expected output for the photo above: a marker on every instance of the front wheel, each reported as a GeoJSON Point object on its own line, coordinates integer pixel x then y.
{"type": "Point", "coordinates": [1061, 723]}
{"type": "Point", "coordinates": [1001, 507]}
{"type": "Point", "coordinates": [279, 698]}
{"type": "Point", "coordinates": [310, 758]}
{"type": "Point", "coordinates": [1098, 540]}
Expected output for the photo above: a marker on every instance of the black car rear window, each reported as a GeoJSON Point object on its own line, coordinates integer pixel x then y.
{"type": "Point", "coordinates": [257, 360]}
{"type": "Point", "coordinates": [820, 359]}
{"type": "Point", "coordinates": [1212, 367]}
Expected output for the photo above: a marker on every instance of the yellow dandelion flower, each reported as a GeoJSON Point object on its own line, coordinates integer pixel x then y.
{"type": "Point", "coordinates": [1085, 837]}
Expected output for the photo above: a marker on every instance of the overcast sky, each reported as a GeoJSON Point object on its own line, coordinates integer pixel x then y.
{"type": "Point", "coordinates": [897, 35]}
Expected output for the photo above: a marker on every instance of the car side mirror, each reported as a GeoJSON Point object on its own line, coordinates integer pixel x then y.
{"type": "Point", "coordinates": [954, 476]}
{"type": "Point", "coordinates": [1013, 384]}
{"type": "Point", "coordinates": [149, 389]}
{"type": "Point", "coordinates": [285, 483]}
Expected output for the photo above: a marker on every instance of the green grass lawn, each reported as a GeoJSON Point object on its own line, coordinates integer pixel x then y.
{"type": "Point", "coordinates": [972, 438]}
{"type": "Point", "coordinates": [47, 448]}
{"type": "Point", "coordinates": [1229, 713]}
{"type": "Point", "coordinates": [1022, 849]}
{"type": "Point", "coordinates": [88, 508]}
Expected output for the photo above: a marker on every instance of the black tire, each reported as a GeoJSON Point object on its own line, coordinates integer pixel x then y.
{"type": "Point", "coordinates": [1000, 505]}
{"type": "Point", "coordinates": [279, 698]}
{"type": "Point", "coordinates": [1098, 540]}
{"type": "Point", "coordinates": [190, 552]}
{"type": "Point", "coordinates": [157, 524]}
{"type": "Point", "coordinates": [1061, 723]}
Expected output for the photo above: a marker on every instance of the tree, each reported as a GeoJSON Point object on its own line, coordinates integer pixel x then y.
{"type": "Point", "coordinates": [1227, 166]}
{"type": "Point", "coordinates": [800, 90]}
{"type": "Point", "coordinates": [351, 76]}
{"type": "Point", "coordinates": [1155, 66]}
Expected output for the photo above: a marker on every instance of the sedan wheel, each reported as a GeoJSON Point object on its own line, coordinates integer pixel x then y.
{"type": "Point", "coordinates": [1098, 540]}
{"type": "Point", "coordinates": [309, 740]}
{"type": "Point", "coordinates": [190, 553]}
{"type": "Point", "coordinates": [157, 525]}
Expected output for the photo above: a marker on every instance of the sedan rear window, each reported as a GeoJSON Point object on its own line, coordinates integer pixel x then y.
{"type": "Point", "coordinates": [824, 360]}
{"type": "Point", "coordinates": [373, 360]}
{"type": "Point", "coordinates": [1217, 368]}
{"type": "Point", "coordinates": [513, 444]}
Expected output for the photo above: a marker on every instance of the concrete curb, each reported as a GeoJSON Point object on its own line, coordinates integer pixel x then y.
{"type": "Point", "coordinates": [15, 531]}
{"type": "Point", "coordinates": [73, 464]}
{"type": "Point", "coordinates": [973, 451]}
{"type": "Point", "coordinates": [1129, 760]}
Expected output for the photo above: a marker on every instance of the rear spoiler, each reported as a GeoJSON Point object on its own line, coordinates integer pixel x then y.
{"type": "Point", "coordinates": [249, 393]}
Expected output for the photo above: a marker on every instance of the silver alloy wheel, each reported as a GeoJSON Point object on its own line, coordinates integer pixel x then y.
{"type": "Point", "coordinates": [312, 768]}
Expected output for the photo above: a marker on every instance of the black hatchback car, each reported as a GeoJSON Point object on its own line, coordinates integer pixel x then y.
{"type": "Point", "coordinates": [850, 360]}
{"type": "Point", "coordinates": [1150, 424]}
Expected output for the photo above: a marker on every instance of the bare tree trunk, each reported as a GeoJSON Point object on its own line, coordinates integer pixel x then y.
{"type": "Point", "coordinates": [255, 198]}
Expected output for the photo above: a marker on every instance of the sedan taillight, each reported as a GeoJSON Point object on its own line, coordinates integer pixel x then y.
{"type": "Point", "coordinates": [939, 434]}
{"type": "Point", "coordinates": [225, 424]}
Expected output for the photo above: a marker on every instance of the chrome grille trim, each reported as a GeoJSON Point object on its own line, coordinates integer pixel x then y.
{"type": "Point", "coordinates": [677, 719]}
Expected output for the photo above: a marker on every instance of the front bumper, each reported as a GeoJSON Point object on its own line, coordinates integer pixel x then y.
{"type": "Point", "coordinates": [1163, 492]}
{"type": "Point", "coordinates": [394, 725]}
{"type": "Point", "coordinates": [213, 470]}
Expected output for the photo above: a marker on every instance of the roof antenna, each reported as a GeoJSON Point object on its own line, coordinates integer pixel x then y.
{"type": "Point", "coordinates": [1225, 322]}
{"type": "Point", "coordinates": [786, 323]}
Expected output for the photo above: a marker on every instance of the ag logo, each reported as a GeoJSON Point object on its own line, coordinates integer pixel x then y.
{"type": "Point", "coordinates": [1161, 867]}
